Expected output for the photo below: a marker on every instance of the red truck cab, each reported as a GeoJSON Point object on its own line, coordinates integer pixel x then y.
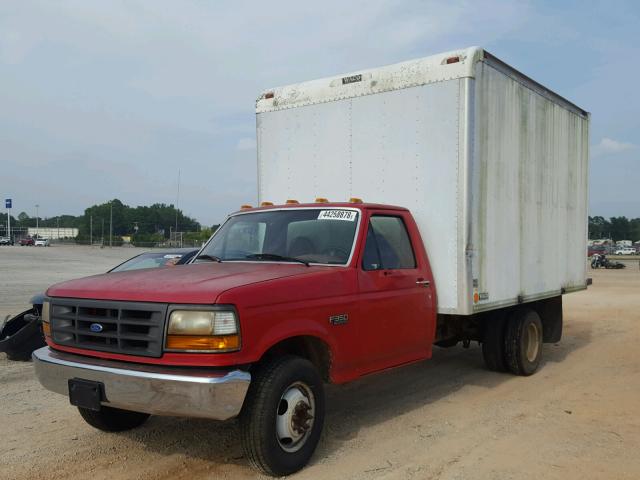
{"type": "Point", "coordinates": [280, 300]}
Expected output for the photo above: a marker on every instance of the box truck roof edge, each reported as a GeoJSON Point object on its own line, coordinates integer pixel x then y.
{"type": "Point", "coordinates": [443, 66]}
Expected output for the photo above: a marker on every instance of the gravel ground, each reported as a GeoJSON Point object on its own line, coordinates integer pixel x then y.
{"type": "Point", "coordinates": [447, 418]}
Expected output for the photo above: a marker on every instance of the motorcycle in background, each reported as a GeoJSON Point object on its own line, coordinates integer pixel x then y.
{"type": "Point", "coordinates": [601, 261]}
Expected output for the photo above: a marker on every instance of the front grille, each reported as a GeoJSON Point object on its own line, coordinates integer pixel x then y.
{"type": "Point", "coordinates": [130, 328]}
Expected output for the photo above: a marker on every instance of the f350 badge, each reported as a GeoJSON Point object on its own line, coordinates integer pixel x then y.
{"type": "Point", "coordinates": [339, 319]}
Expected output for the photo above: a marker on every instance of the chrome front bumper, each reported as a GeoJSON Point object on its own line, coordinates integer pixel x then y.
{"type": "Point", "coordinates": [158, 390]}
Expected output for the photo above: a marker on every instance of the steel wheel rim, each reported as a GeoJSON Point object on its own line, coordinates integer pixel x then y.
{"type": "Point", "coordinates": [295, 416]}
{"type": "Point", "coordinates": [533, 342]}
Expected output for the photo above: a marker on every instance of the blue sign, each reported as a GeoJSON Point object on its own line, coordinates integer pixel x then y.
{"type": "Point", "coordinates": [7, 203]}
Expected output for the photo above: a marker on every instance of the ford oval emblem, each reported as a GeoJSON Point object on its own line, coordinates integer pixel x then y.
{"type": "Point", "coordinates": [96, 327]}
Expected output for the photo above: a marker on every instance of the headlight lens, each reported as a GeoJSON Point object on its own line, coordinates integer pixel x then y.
{"type": "Point", "coordinates": [203, 330]}
{"type": "Point", "coordinates": [193, 322]}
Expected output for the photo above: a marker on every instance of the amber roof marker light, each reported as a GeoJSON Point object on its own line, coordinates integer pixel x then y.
{"type": "Point", "coordinates": [322, 200]}
{"type": "Point", "coordinates": [355, 200]}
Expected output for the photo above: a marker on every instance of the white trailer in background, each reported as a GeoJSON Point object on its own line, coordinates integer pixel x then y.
{"type": "Point", "coordinates": [493, 166]}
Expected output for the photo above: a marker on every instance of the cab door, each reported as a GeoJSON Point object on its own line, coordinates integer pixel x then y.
{"type": "Point", "coordinates": [397, 315]}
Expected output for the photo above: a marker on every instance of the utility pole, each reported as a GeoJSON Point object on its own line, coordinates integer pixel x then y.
{"type": "Point", "coordinates": [110, 224]}
{"type": "Point", "coordinates": [102, 233]}
{"type": "Point", "coordinates": [58, 224]}
{"type": "Point", "coordinates": [90, 230]}
{"type": "Point", "coordinates": [7, 204]}
{"type": "Point", "coordinates": [37, 224]}
{"type": "Point", "coordinates": [177, 201]}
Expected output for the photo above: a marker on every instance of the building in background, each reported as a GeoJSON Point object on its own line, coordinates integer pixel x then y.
{"type": "Point", "coordinates": [53, 233]}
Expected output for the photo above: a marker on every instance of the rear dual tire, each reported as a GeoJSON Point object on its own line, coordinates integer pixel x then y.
{"type": "Point", "coordinates": [493, 344]}
{"type": "Point", "coordinates": [523, 343]}
{"type": "Point", "coordinates": [514, 344]}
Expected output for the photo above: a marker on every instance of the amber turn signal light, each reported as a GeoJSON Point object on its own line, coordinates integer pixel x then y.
{"type": "Point", "coordinates": [46, 329]}
{"type": "Point", "coordinates": [217, 343]}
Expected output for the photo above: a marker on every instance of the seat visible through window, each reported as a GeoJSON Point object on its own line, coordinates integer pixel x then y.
{"type": "Point", "coordinates": [387, 245]}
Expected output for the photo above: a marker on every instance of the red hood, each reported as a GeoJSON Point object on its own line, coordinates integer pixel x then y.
{"type": "Point", "coordinates": [199, 284]}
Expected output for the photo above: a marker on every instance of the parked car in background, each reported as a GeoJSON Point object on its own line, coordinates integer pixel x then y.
{"type": "Point", "coordinates": [27, 242]}
{"type": "Point", "coordinates": [6, 241]}
{"type": "Point", "coordinates": [625, 251]}
{"type": "Point", "coordinates": [596, 250]}
{"type": "Point", "coordinates": [162, 258]}
{"type": "Point", "coordinates": [42, 242]}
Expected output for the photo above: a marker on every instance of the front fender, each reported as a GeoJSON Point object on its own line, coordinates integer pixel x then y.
{"type": "Point", "coordinates": [294, 328]}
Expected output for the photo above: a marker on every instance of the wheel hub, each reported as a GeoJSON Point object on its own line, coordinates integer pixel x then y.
{"type": "Point", "coordinates": [533, 342]}
{"type": "Point", "coordinates": [294, 419]}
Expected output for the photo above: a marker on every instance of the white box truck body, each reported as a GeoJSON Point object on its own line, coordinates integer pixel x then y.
{"type": "Point", "coordinates": [493, 166]}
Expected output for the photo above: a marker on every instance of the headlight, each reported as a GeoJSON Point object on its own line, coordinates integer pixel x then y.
{"type": "Point", "coordinates": [203, 330]}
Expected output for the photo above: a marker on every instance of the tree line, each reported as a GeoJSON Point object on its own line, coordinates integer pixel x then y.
{"type": "Point", "coordinates": [616, 228]}
{"type": "Point", "coordinates": [144, 224]}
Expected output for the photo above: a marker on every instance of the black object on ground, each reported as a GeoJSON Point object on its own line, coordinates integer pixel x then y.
{"type": "Point", "coordinates": [21, 335]}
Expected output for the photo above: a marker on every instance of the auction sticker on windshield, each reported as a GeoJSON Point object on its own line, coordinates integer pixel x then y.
{"type": "Point", "coordinates": [346, 215]}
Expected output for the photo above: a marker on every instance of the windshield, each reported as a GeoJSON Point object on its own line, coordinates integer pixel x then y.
{"type": "Point", "coordinates": [309, 235]}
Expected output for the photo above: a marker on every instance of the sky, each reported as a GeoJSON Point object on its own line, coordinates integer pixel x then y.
{"type": "Point", "coordinates": [103, 100]}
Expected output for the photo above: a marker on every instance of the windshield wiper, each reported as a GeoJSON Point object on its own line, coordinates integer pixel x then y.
{"type": "Point", "coordinates": [213, 258]}
{"type": "Point", "coordinates": [275, 256]}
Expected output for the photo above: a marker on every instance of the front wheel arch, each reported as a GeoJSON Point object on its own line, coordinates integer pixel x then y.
{"type": "Point", "coordinates": [310, 347]}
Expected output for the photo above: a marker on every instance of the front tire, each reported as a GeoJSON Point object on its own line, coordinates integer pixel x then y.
{"type": "Point", "coordinates": [283, 415]}
{"type": "Point", "coordinates": [523, 342]}
{"type": "Point", "coordinates": [110, 419]}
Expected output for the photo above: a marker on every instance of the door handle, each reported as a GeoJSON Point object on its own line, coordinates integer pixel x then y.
{"type": "Point", "coordinates": [426, 283]}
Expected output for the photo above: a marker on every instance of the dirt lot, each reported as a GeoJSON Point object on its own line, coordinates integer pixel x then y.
{"type": "Point", "coordinates": [448, 418]}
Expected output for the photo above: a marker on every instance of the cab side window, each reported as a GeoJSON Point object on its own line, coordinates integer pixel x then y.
{"type": "Point", "coordinates": [371, 255]}
{"type": "Point", "coordinates": [387, 245]}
